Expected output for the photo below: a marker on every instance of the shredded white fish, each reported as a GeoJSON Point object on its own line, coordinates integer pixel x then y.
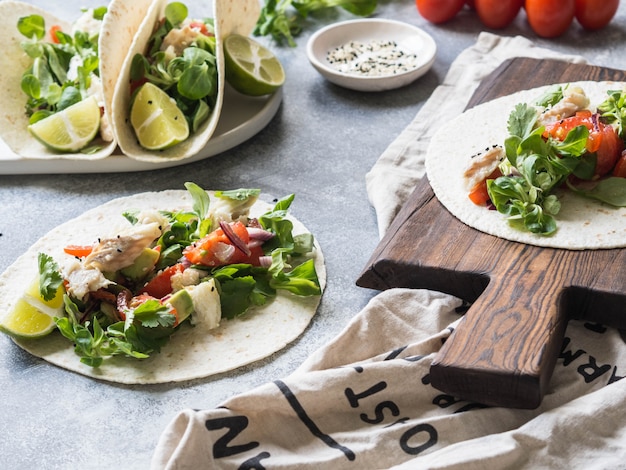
{"type": "Point", "coordinates": [371, 59]}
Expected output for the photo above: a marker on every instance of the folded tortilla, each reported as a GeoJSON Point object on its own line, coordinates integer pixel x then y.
{"type": "Point", "coordinates": [582, 223]}
{"type": "Point", "coordinates": [230, 16]}
{"type": "Point", "coordinates": [191, 353]}
{"type": "Point", "coordinates": [14, 61]}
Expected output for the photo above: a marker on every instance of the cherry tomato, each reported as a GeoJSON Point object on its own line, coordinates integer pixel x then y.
{"type": "Point", "coordinates": [603, 140]}
{"type": "Point", "coordinates": [439, 11]}
{"type": "Point", "coordinates": [595, 14]}
{"type": "Point", "coordinates": [478, 194]}
{"type": "Point", "coordinates": [550, 18]}
{"type": "Point", "coordinates": [161, 284]}
{"type": "Point", "coordinates": [497, 14]}
{"type": "Point", "coordinates": [620, 166]}
{"type": "Point", "coordinates": [216, 249]}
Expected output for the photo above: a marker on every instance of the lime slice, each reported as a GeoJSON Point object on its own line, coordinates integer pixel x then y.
{"type": "Point", "coordinates": [251, 68]}
{"type": "Point", "coordinates": [71, 129]}
{"type": "Point", "coordinates": [31, 316]}
{"type": "Point", "coordinates": [157, 121]}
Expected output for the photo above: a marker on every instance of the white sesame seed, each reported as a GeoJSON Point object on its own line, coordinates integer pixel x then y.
{"type": "Point", "coordinates": [372, 59]}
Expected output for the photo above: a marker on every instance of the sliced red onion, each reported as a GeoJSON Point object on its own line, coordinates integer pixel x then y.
{"type": "Point", "coordinates": [234, 238]}
{"type": "Point", "coordinates": [594, 120]}
{"type": "Point", "coordinates": [258, 233]}
{"type": "Point", "coordinates": [265, 261]}
{"type": "Point", "coordinates": [254, 243]}
{"type": "Point", "coordinates": [223, 251]}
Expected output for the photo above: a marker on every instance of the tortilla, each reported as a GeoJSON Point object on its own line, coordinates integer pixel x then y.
{"type": "Point", "coordinates": [119, 27]}
{"type": "Point", "coordinates": [192, 353]}
{"type": "Point", "coordinates": [582, 224]}
{"type": "Point", "coordinates": [13, 63]}
{"type": "Point", "coordinates": [230, 16]}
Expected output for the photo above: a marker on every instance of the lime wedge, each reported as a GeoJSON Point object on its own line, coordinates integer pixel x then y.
{"type": "Point", "coordinates": [251, 68]}
{"type": "Point", "coordinates": [157, 121]}
{"type": "Point", "coordinates": [71, 129]}
{"type": "Point", "coordinates": [31, 316]}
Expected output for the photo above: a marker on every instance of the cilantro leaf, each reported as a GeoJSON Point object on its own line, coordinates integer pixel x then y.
{"type": "Point", "coordinates": [522, 120]}
{"type": "Point", "coordinates": [153, 313]}
{"type": "Point", "coordinates": [50, 278]}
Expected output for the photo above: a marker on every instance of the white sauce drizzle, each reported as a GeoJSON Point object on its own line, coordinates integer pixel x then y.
{"type": "Point", "coordinates": [372, 59]}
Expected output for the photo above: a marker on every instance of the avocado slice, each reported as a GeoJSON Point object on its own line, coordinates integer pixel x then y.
{"type": "Point", "coordinates": [183, 303]}
{"type": "Point", "coordinates": [143, 264]}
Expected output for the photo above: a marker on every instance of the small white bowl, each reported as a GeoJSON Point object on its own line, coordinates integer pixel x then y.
{"type": "Point", "coordinates": [409, 38]}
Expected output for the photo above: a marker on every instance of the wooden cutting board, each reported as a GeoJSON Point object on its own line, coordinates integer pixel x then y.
{"type": "Point", "coordinates": [504, 351]}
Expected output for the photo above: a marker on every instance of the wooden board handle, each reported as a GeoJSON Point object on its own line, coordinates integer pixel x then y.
{"type": "Point", "coordinates": [504, 351]}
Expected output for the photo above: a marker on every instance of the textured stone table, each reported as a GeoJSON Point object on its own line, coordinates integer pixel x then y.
{"type": "Point", "coordinates": [321, 143]}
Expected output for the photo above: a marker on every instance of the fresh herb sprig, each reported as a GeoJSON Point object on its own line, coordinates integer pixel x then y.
{"type": "Point", "coordinates": [283, 19]}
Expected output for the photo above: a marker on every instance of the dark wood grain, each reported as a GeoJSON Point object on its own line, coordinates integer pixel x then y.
{"type": "Point", "coordinates": [504, 351]}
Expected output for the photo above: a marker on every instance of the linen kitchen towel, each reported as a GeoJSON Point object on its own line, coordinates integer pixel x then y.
{"type": "Point", "coordinates": [364, 401]}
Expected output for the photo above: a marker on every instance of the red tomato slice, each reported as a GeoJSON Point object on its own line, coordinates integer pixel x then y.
{"type": "Point", "coordinates": [161, 285]}
{"type": "Point", "coordinates": [201, 27]}
{"type": "Point", "coordinates": [80, 251]}
{"type": "Point", "coordinates": [216, 249]}
{"type": "Point", "coordinates": [620, 167]}
{"type": "Point", "coordinates": [53, 33]}
{"type": "Point", "coordinates": [479, 194]}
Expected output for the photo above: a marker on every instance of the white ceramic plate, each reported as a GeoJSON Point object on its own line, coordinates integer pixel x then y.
{"type": "Point", "coordinates": [242, 117]}
{"type": "Point", "coordinates": [409, 38]}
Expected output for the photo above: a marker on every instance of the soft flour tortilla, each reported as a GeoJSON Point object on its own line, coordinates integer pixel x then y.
{"type": "Point", "coordinates": [14, 62]}
{"type": "Point", "coordinates": [581, 223]}
{"type": "Point", "coordinates": [119, 27]}
{"type": "Point", "coordinates": [230, 16]}
{"type": "Point", "coordinates": [191, 353]}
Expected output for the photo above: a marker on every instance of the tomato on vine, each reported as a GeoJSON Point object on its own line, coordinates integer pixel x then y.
{"type": "Point", "coordinates": [550, 18]}
{"type": "Point", "coordinates": [595, 14]}
{"type": "Point", "coordinates": [497, 14]}
{"type": "Point", "coordinates": [439, 11]}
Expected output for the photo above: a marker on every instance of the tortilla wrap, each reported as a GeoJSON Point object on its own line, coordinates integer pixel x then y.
{"type": "Point", "coordinates": [192, 353]}
{"type": "Point", "coordinates": [229, 16]}
{"type": "Point", "coordinates": [14, 62]}
{"type": "Point", "coordinates": [581, 223]}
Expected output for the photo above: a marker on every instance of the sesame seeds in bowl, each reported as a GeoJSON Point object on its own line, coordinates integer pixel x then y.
{"type": "Point", "coordinates": [371, 54]}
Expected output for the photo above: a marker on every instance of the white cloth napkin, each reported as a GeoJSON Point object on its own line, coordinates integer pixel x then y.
{"type": "Point", "coordinates": [364, 401]}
